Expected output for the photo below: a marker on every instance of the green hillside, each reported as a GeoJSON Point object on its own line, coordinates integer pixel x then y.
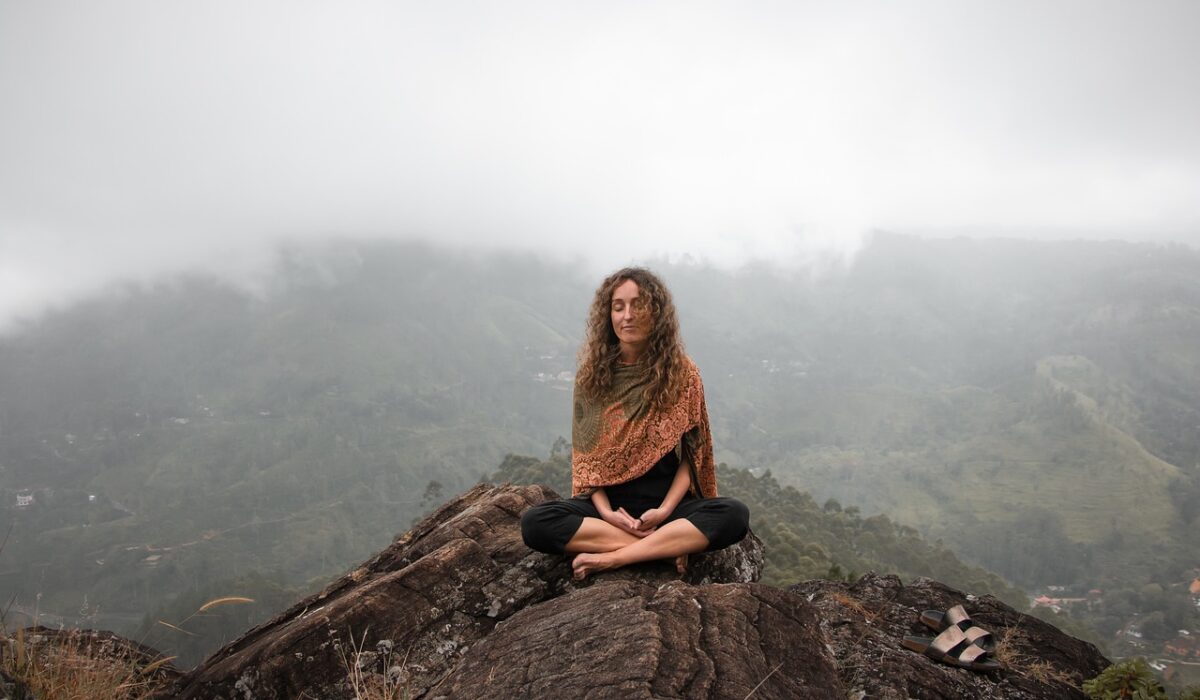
{"type": "Point", "coordinates": [1053, 450]}
{"type": "Point", "coordinates": [185, 432]}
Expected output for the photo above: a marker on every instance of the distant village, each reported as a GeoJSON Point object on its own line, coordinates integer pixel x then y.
{"type": "Point", "coordinates": [1178, 655]}
{"type": "Point", "coordinates": [547, 366]}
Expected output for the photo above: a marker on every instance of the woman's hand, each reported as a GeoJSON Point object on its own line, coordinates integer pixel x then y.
{"type": "Point", "coordinates": [652, 518]}
{"type": "Point", "coordinates": [624, 521]}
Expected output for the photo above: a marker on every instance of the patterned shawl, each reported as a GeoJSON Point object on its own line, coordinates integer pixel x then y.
{"type": "Point", "coordinates": [619, 438]}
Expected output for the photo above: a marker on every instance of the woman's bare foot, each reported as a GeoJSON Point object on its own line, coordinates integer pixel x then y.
{"type": "Point", "coordinates": [681, 563]}
{"type": "Point", "coordinates": [587, 564]}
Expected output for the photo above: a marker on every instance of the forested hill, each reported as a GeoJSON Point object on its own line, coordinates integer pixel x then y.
{"type": "Point", "coordinates": [187, 432]}
{"type": "Point", "coordinates": [1030, 404]}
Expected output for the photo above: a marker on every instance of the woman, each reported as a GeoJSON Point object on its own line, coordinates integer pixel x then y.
{"type": "Point", "coordinates": [643, 481]}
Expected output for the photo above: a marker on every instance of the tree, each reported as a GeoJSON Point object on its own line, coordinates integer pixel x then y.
{"type": "Point", "coordinates": [433, 493]}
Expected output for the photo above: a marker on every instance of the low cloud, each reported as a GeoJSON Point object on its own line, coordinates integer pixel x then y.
{"type": "Point", "coordinates": [141, 139]}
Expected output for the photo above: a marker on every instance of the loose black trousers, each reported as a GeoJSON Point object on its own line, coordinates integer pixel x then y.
{"type": "Point", "coordinates": [548, 527]}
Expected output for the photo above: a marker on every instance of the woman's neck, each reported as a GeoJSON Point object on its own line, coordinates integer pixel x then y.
{"type": "Point", "coordinates": [630, 354]}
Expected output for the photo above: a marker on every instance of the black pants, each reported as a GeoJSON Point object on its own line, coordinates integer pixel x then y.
{"type": "Point", "coordinates": [548, 527]}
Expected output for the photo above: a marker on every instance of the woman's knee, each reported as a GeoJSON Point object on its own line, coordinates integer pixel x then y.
{"type": "Point", "coordinates": [531, 522]}
{"type": "Point", "coordinates": [537, 527]}
{"type": "Point", "coordinates": [734, 523]}
{"type": "Point", "coordinates": [739, 514]}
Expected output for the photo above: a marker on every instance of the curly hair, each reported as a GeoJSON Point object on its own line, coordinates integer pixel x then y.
{"type": "Point", "coordinates": [664, 358]}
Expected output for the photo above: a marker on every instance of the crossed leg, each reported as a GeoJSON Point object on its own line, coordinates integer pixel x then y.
{"type": "Point", "coordinates": [596, 535]}
{"type": "Point", "coordinates": [610, 550]}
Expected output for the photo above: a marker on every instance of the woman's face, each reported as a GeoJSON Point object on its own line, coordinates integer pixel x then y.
{"type": "Point", "coordinates": [630, 314]}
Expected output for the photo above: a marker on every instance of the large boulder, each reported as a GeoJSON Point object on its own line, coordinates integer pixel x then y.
{"type": "Point", "coordinates": [413, 613]}
{"type": "Point", "coordinates": [425, 599]}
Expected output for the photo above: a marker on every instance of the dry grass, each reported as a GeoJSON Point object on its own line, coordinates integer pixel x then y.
{"type": "Point", "coordinates": [1007, 644]}
{"type": "Point", "coordinates": [82, 665]}
{"type": "Point", "coordinates": [77, 665]}
{"type": "Point", "coordinates": [1044, 672]}
{"type": "Point", "coordinates": [1008, 653]}
{"type": "Point", "coordinates": [362, 678]}
{"type": "Point", "coordinates": [852, 604]}
{"type": "Point", "coordinates": [216, 602]}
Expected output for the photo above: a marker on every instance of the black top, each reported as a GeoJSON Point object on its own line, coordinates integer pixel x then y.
{"type": "Point", "coordinates": [649, 489]}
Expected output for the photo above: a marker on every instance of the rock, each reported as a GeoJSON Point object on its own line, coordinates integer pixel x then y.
{"type": "Point", "coordinates": [414, 608]}
{"type": "Point", "coordinates": [410, 614]}
{"type": "Point", "coordinates": [631, 639]}
{"type": "Point", "coordinates": [459, 608]}
{"type": "Point", "coordinates": [13, 689]}
{"type": "Point", "coordinates": [864, 623]}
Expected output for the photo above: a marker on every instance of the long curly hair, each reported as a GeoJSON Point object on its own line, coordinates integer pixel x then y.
{"type": "Point", "coordinates": [664, 359]}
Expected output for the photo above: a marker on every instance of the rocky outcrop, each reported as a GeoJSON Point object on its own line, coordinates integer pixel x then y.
{"type": "Point", "coordinates": [411, 615]}
{"type": "Point", "coordinates": [425, 599]}
{"type": "Point", "coordinates": [459, 608]}
{"type": "Point", "coordinates": [865, 622]}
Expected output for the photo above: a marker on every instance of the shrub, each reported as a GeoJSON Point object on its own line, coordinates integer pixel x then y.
{"type": "Point", "coordinates": [1131, 679]}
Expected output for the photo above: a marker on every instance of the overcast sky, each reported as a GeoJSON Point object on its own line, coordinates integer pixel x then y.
{"type": "Point", "coordinates": [141, 138]}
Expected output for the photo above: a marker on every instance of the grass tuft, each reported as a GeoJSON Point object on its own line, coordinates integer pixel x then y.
{"type": "Point", "coordinates": [78, 665]}
{"type": "Point", "coordinates": [364, 680]}
{"type": "Point", "coordinates": [1008, 653]}
{"type": "Point", "coordinates": [854, 604]}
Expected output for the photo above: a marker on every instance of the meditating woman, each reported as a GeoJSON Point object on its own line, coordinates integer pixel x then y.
{"type": "Point", "coordinates": [643, 481]}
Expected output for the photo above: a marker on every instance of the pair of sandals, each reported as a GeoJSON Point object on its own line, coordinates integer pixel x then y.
{"type": "Point", "coordinates": [959, 642]}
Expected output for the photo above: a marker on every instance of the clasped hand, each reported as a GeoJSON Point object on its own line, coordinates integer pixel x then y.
{"type": "Point", "coordinates": [640, 527]}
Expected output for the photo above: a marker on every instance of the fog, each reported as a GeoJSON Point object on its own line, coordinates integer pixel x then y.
{"type": "Point", "coordinates": [140, 139]}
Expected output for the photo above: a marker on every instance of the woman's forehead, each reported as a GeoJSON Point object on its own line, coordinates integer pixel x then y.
{"type": "Point", "coordinates": [626, 290]}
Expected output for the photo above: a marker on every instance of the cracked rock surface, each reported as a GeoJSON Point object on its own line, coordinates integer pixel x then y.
{"type": "Point", "coordinates": [866, 621]}
{"type": "Point", "coordinates": [635, 640]}
{"type": "Point", "coordinates": [417, 610]}
{"type": "Point", "coordinates": [411, 612]}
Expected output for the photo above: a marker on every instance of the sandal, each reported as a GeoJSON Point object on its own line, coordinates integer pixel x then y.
{"type": "Point", "coordinates": [957, 616]}
{"type": "Point", "coordinates": [952, 647]}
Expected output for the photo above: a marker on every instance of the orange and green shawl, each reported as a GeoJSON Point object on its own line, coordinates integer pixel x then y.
{"type": "Point", "coordinates": [619, 438]}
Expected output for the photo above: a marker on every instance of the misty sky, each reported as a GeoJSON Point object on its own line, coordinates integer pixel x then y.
{"type": "Point", "coordinates": [142, 138]}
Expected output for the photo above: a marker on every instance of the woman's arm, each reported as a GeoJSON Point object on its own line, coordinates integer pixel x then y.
{"type": "Point", "coordinates": [617, 518]}
{"type": "Point", "coordinates": [679, 488]}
